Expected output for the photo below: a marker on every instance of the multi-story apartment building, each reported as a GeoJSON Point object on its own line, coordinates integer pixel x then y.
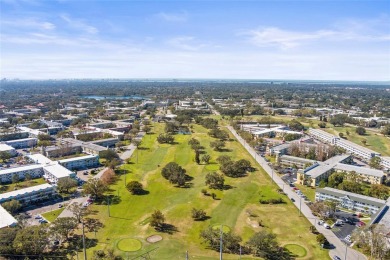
{"type": "Point", "coordinates": [6, 219]}
{"type": "Point", "coordinates": [8, 149]}
{"type": "Point", "coordinates": [30, 195]}
{"type": "Point", "coordinates": [349, 200]}
{"type": "Point", "coordinates": [291, 161]}
{"type": "Point", "coordinates": [321, 170]}
{"type": "Point", "coordinates": [35, 171]}
{"type": "Point", "coordinates": [82, 162]}
{"type": "Point", "coordinates": [352, 148]}
{"type": "Point", "coordinates": [368, 175]}
{"type": "Point", "coordinates": [22, 143]}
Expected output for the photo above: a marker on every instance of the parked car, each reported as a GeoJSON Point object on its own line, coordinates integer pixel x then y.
{"type": "Point", "coordinates": [38, 216]}
{"type": "Point", "coordinates": [336, 258]}
{"type": "Point", "coordinates": [326, 226]}
{"type": "Point", "coordinates": [60, 205]}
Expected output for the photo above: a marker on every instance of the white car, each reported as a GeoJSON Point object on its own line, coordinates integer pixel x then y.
{"type": "Point", "coordinates": [38, 216]}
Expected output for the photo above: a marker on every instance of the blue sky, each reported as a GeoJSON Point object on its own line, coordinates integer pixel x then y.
{"type": "Point", "coordinates": [322, 40]}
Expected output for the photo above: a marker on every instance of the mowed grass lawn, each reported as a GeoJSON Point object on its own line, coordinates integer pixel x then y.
{"type": "Point", "coordinates": [52, 215]}
{"type": "Point", "coordinates": [130, 217]}
{"type": "Point", "coordinates": [21, 185]}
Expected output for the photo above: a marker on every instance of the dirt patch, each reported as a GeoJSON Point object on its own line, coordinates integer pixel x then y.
{"type": "Point", "coordinates": [253, 223]}
{"type": "Point", "coordinates": [154, 239]}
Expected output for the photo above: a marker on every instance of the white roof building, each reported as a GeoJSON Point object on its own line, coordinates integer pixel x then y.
{"type": "Point", "coordinates": [6, 219]}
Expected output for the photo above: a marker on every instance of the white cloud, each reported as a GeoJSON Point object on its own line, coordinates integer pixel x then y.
{"type": "Point", "coordinates": [272, 36]}
{"type": "Point", "coordinates": [173, 17]}
{"type": "Point", "coordinates": [79, 24]}
{"type": "Point", "coordinates": [352, 30]}
{"type": "Point", "coordinates": [28, 23]}
{"type": "Point", "coordinates": [186, 43]}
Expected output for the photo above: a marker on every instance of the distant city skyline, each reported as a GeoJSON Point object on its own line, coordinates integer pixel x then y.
{"type": "Point", "coordinates": [281, 40]}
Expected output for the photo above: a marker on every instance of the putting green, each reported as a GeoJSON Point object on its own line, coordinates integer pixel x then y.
{"type": "Point", "coordinates": [296, 250]}
{"type": "Point", "coordinates": [225, 229]}
{"type": "Point", "coordinates": [129, 245]}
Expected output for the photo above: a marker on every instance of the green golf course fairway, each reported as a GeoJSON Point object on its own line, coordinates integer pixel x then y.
{"type": "Point", "coordinates": [130, 214]}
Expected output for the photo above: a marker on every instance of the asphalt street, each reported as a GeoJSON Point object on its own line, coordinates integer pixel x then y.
{"type": "Point", "coordinates": [340, 249]}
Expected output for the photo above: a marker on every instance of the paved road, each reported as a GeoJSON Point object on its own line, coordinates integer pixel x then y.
{"type": "Point", "coordinates": [340, 250]}
{"type": "Point", "coordinates": [129, 151]}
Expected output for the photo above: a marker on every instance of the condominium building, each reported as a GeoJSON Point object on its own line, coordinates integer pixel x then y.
{"type": "Point", "coordinates": [82, 162]}
{"type": "Point", "coordinates": [321, 170]}
{"type": "Point", "coordinates": [6, 219]}
{"type": "Point", "coordinates": [35, 171]}
{"type": "Point", "coordinates": [368, 175]}
{"type": "Point", "coordinates": [30, 195]}
{"type": "Point", "coordinates": [292, 161]}
{"type": "Point", "coordinates": [5, 148]}
{"type": "Point", "coordinates": [54, 172]}
{"type": "Point", "coordinates": [385, 162]}
{"type": "Point", "coordinates": [350, 147]}
{"type": "Point", "coordinates": [349, 200]}
{"type": "Point", "coordinates": [22, 143]}
{"type": "Point", "coordinates": [357, 150]}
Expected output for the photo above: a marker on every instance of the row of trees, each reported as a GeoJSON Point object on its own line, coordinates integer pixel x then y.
{"type": "Point", "coordinates": [261, 244]}
{"type": "Point", "coordinates": [319, 152]}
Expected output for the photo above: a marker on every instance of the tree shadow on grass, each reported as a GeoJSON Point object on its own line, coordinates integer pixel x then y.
{"type": "Point", "coordinates": [141, 193]}
{"type": "Point", "coordinates": [167, 228]}
{"type": "Point", "coordinates": [121, 171]}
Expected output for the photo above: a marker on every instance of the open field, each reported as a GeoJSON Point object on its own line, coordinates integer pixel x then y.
{"type": "Point", "coordinates": [52, 215]}
{"type": "Point", "coordinates": [238, 208]}
{"type": "Point", "coordinates": [21, 185]}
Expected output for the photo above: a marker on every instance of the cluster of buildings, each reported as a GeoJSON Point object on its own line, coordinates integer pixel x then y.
{"type": "Point", "coordinates": [261, 130]}
{"type": "Point", "coordinates": [191, 103]}
{"type": "Point", "coordinates": [350, 147]}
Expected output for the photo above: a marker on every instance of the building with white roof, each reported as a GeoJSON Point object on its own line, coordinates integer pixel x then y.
{"type": "Point", "coordinates": [54, 172]}
{"type": "Point", "coordinates": [320, 170]}
{"type": "Point", "coordinates": [349, 200]}
{"type": "Point", "coordinates": [82, 162]}
{"type": "Point", "coordinates": [31, 132]}
{"type": "Point", "coordinates": [385, 162]}
{"type": "Point", "coordinates": [6, 219]}
{"type": "Point", "coordinates": [30, 194]}
{"type": "Point", "coordinates": [350, 147]}
{"type": "Point", "coordinates": [22, 143]}
{"type": "Point", "coordinates": [8, 149]}
{"type": "Point", "coordinates": [35, 171]}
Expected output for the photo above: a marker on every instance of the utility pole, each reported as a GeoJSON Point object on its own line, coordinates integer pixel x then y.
{"type": "Point", "coordinates": [346, 248]}
{"type": "Point", "coordinates": [108, 206]}
{"type": "Point", "coordinates": [125, 179]}
{"type": "Point", "coordinates": [85, 250]}
{"type": "Point", "coordinates": [240, 252]}
{"type": "Point", "coordinates": [187, 255]}
{"type": "Point", "coordinates": [300, 206]}
{"type": "Point", "coordinates": [221, 244]}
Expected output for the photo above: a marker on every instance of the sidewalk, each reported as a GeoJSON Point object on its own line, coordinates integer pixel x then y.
{"type": "Point", "coordinates": [341, 250]}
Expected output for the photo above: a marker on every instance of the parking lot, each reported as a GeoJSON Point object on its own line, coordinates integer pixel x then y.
{"type": "Point", "coordinates": [348, 226]}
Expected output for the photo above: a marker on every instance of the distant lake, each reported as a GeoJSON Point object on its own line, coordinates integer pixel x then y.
{"type": "Point", "coordinates": [112, 97]}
